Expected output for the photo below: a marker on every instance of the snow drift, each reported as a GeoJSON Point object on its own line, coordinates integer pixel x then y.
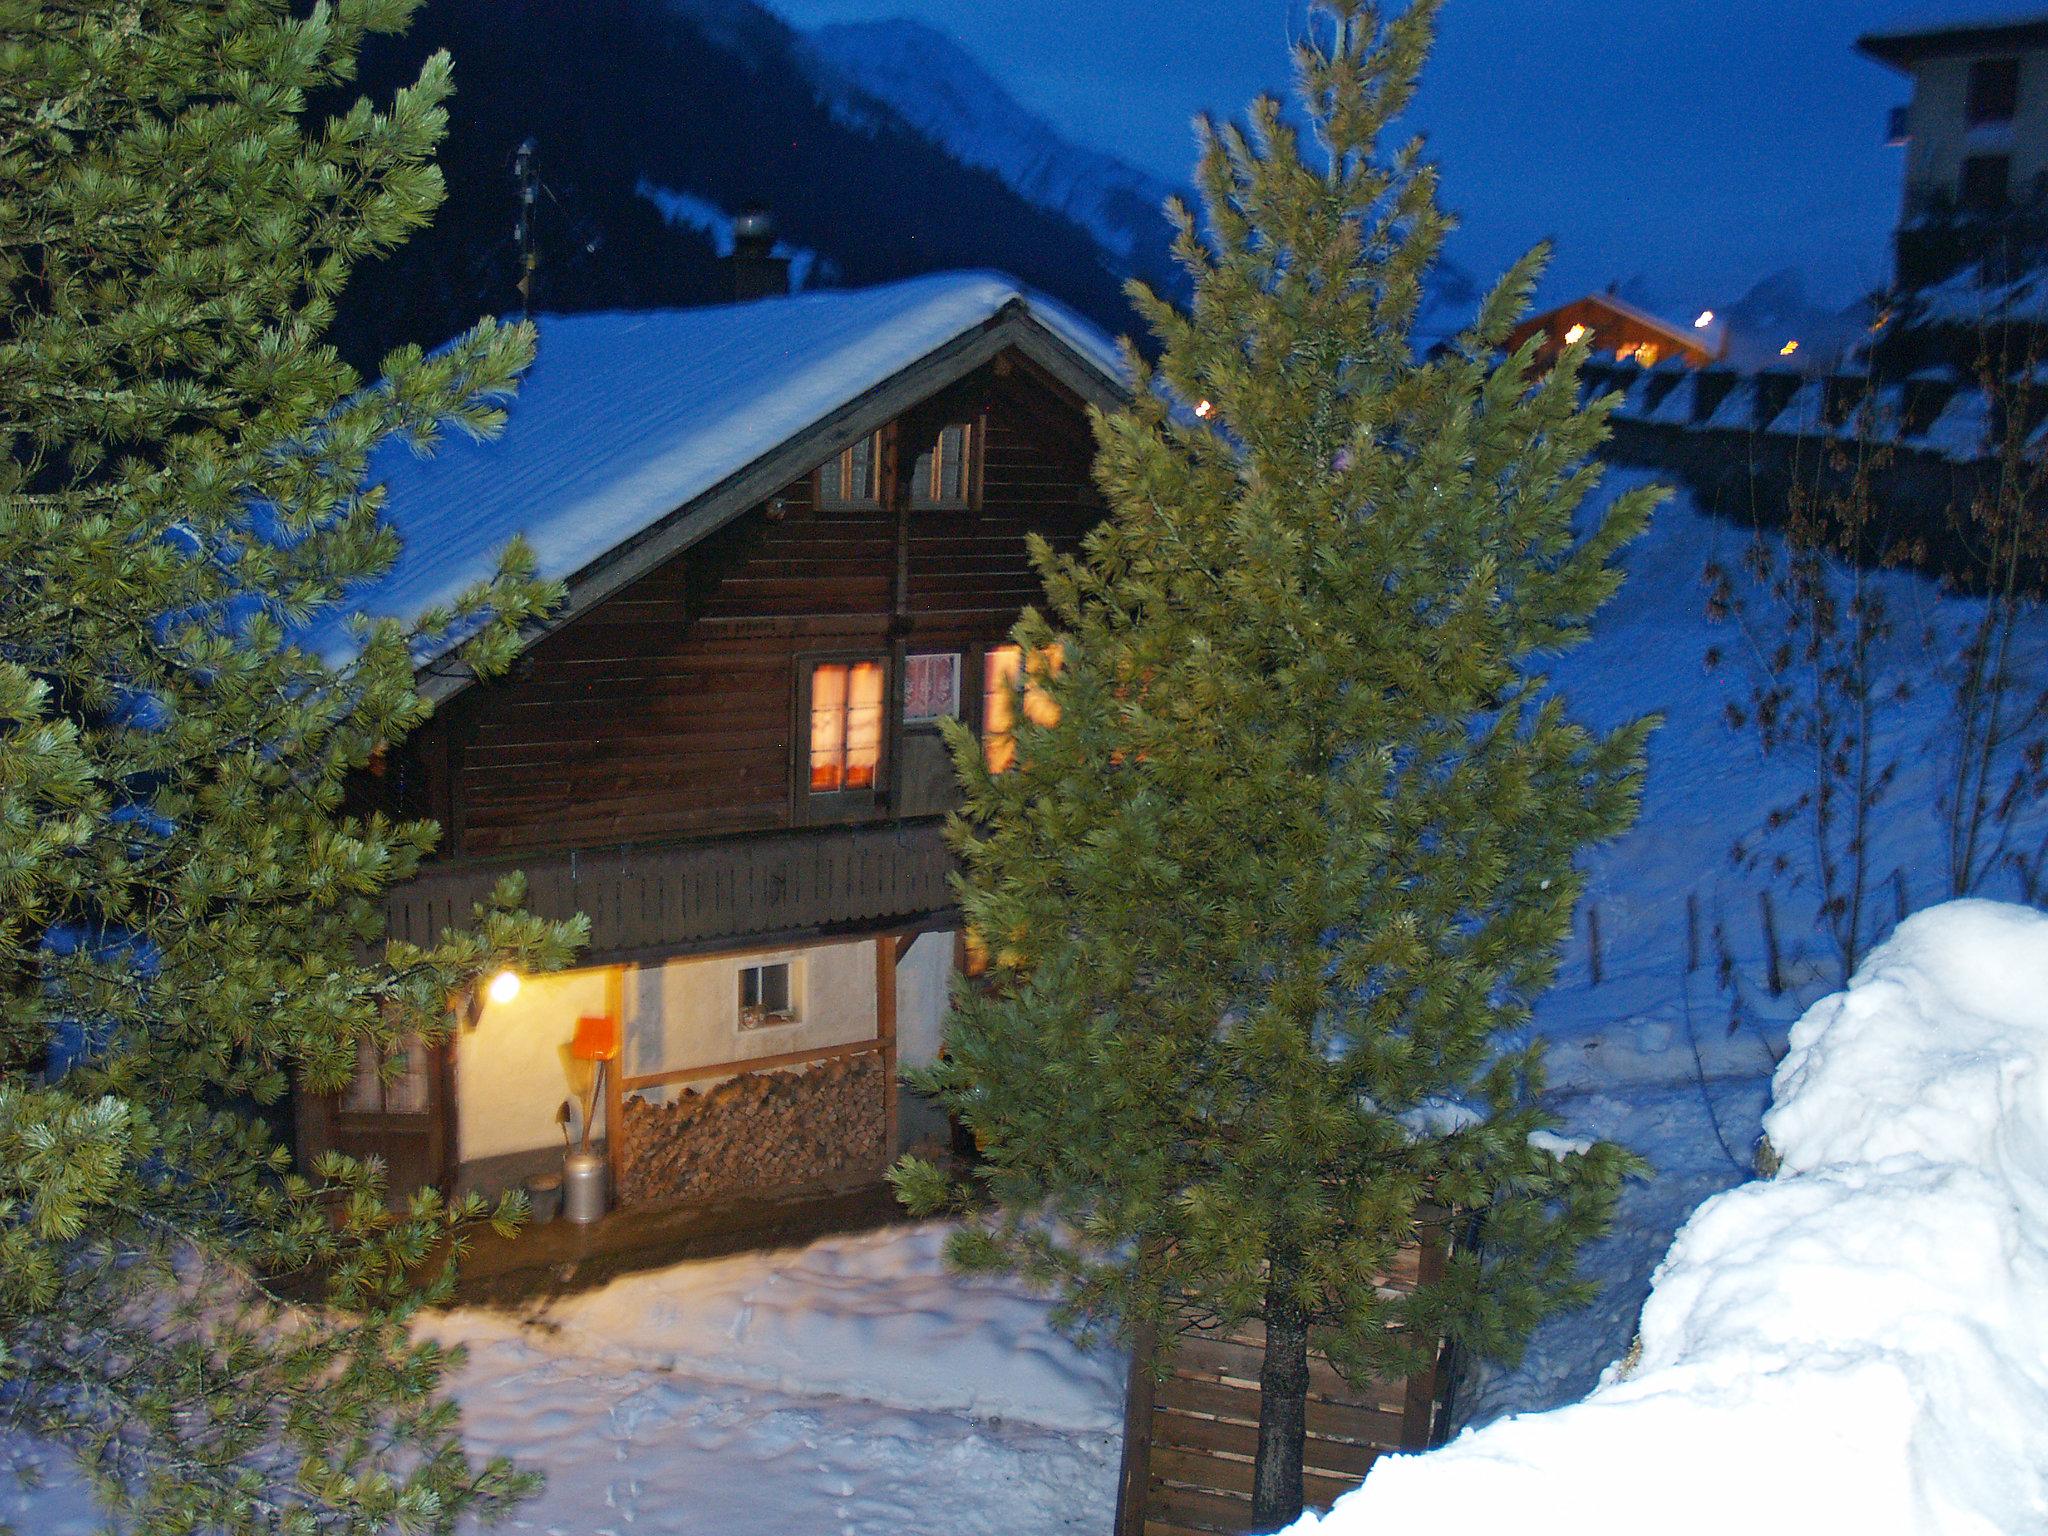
{"type": "Point", "coordinates": [1859, 1344]}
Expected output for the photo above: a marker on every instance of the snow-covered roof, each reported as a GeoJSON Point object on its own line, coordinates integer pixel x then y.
{"type": "Point", "coordinates": [647, 430]}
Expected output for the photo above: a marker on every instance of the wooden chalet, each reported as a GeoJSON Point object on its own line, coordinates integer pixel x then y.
{"type": "Point", "coordinates": [1615, 329]}
{"type": "Point", "coordinates": [793, 536]}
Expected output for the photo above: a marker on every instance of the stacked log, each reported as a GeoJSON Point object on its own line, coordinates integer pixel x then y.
{"type": "Point", "coordinates": [758, 1133]}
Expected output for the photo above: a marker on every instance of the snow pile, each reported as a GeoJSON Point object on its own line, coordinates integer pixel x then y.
{"type": "Point", "coordinates": [1860, 1344]}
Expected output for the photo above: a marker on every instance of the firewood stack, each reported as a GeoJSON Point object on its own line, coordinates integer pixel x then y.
{"type": "Point", "coordinates": [758, 1132]}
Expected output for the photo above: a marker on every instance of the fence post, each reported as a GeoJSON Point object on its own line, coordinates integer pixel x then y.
{"type": "Point", "coordinates": [1774, 976]}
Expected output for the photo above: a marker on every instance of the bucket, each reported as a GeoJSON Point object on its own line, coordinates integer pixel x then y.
{"type": "Point", "coordinates": [584, 1196]}
{"type": "Point", "coordinates": [544, 1197]}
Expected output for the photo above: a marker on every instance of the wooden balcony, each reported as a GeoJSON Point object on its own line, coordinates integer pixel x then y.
{"type": "Point", "coordinates": [650, 901]}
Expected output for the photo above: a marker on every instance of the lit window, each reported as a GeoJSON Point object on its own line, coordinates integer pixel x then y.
{"type": "Point", "coordinates": [931, 686]}
{"type": "Point", "coordinates": [1575, 335]}
{"type": "Point", "coordinates": [941, 476]}
{"type": "Point", "coordinates": [766, 996]}
{"type": "Point", "coordinates": [846, 725]}
{"type": "Point", "coordinates": [852, 479]}
{"type": "Point", "coordinates": [999, 671]}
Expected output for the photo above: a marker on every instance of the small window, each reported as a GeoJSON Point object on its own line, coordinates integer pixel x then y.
{"type": "Point", "coordinates": [766, 995]}
{"type": "Point", "coordinates": [846, 725]}
{"type": "Point", "coordinates": [853, 479]}
{"type": "Point", "coordinates": [1993, 95]}
{"type": "Point", "coordinates": [999, 669]}
{"type": "Point", "coordinates": [931, 687]}
{"type": "Point", "coordinates": [944, 472]}
{"type": "Point", "coordinates": [388, 1083]}
{"type": "Point", "coordinates": [1986, 182]}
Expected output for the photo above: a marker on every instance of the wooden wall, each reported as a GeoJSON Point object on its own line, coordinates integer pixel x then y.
{"type": "Point", "coordinates": [1191, 1441]}
{"type": "Point", "coordinates": [668, 709]}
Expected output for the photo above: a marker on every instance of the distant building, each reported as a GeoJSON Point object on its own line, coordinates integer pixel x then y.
{"type": "Point", "coordinates": [1616, 329]}
{"type": "Point", "coordinates": [1975, 134]}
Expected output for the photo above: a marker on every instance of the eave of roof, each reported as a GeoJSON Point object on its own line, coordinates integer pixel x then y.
{"type": "Point", "coordinates": [1902, 48]}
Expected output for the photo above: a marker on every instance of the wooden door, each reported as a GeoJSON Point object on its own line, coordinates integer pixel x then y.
{"type": "Point", "coordinates": [404, 1119]}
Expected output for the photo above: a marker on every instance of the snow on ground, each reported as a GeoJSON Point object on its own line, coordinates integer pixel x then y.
{"type": "Point", "coordinates": [1855, 1345]}
{"type": "Point", "coordinates": [849, 1387]}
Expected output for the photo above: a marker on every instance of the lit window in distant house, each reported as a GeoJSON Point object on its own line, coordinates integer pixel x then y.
{"type": "Point", "coordinates": [846, 725]}
{"type": "Point", "coordinates": [943, 473]}
{"type": "Point", "coordinates": [1986, 181]}
{"type": "Point", "coordinates": [931, 687]}
{"type": "Point", "coordinates": [999, 670]}
{"type": "Point", "coordinates": [854, 478]}
{"type": "Point", "coordinates": [1993, 95]}
{"type": "Point", "coordinates": [767, 995]}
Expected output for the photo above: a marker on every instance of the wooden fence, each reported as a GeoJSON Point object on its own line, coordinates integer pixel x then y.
{"type": "Point", "coordinates": [1190, 1440]}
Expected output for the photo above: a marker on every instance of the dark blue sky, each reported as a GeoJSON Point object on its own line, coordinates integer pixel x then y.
{"type": "Point", "coordinates": [1685, 147]}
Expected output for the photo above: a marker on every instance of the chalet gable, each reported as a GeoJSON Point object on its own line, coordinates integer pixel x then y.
{"type": "Point", "coordinates": [634, 436]}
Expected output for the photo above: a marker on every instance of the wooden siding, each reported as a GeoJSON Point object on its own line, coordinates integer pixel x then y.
{"type": "Point", "coordinates": [650, 901]}
{"type": "Point", "coordinates": [667, 710]}
{"type": "Point", "coordinates": [1191, 1440]}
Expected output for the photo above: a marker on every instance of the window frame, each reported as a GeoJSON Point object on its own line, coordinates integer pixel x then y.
{"type": "Point", "coordinates": [843, 460]}
{"type": "Point", "coordinates": [1978, 201]}
{"type": "Point", "coordinates": [1991, 101]}
{"type": "Point", "coordinates": [791, 1015]}
{"type": "Point", "coordinates": [825, 805]}
{"type": "Point", "coordinates": [925, 468]}
{"type": "Point", "coordinates": [931, 722]}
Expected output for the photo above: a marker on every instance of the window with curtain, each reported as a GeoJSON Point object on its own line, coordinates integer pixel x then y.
{"type": "Point", "coordinates": [846, 725]}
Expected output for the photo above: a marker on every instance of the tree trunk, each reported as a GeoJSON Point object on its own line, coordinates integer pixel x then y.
{"type": "Point", "coordinates": [1283, 1410]}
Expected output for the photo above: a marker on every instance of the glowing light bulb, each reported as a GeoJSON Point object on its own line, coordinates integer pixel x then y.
{"type": "Point", "coordinates": [504, 987]}
{"type": "Point", "coordinates": [1204, 409]}
{"type": "Point", "coordinates": [1788, 349]}
{"type": "Point", "coordinates": [1706, 319]}
{"type": "Point", "coordinates": [1574, 336]}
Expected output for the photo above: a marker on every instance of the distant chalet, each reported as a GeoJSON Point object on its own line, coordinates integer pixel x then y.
{"type": "Point", "coordinates": [1616, 329]}
{"type": "Point", "coordinates": [793, 535]}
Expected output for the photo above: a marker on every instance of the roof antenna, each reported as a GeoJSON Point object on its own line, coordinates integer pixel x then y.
{"type": "Point", "coordinates": [526, 172]}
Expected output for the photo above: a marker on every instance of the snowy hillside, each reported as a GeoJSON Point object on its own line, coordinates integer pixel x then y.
{"type": "Point", "coordinates": [1858, 1340]}
{"type": "Point", "coordinates": [933, 84]}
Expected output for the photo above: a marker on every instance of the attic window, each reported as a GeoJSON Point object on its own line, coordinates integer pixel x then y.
{"type": "Point", "coordinates": [943, 476]}
{"type": "Point", "coordinates": [1993, 95]}
{"type": "Point", "coordinates": [852, 479]}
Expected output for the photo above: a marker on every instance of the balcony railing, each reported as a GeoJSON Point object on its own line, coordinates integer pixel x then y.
{"type": "Point", "coordinates": [650, 900]}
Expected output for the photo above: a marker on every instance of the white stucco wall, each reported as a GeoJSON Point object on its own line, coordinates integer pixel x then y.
{"type": "Point", "coordinates": [512, 1072]}
{"type": "Point", "coordinates": [922, 977]}
{"type": "Point", "coordinates": [1941, 141]}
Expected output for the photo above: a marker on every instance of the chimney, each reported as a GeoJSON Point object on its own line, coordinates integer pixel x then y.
{"type": "Point", "coordinates": [757, 272]}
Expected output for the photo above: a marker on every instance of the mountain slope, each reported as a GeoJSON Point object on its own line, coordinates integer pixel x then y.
{"type": "Point", "coordinates": [933, 84]}
{"type": "Point", "coordinates": [701, 97]}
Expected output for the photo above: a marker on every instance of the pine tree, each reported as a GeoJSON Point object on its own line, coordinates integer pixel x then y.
{"type": "Point", "coordinates": [1288, 846]}
{"type": "Point", "coordinates": [189, 919]}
